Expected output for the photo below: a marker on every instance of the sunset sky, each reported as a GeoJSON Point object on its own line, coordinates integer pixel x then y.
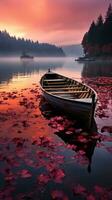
{"type": "Point", "coordinates": [54, 21]}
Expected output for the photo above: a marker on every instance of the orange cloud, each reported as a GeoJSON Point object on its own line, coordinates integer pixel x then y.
{"type": "Point", "coordinates": [59, 21]}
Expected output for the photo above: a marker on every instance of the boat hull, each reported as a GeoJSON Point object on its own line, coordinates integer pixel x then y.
{"type": "Point", "coordinates": [73, 108]}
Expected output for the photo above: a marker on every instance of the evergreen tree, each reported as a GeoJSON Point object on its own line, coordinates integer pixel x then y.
{"type": "Point", "coordinates": [85, 39]}
{"type": "Point", "coordinates": [12, 45]}
{"type": "Point", "coordinates": [91, 33]}
{"type": "Point", "coordinates": [108, 18]}
{"type": "Point", "coordinates": [108, 26]}
{"type": "Point", "coordinates": [98, 40]}
{"type": "Point", "coordinates": [85, 42]}
{"type": "Point", "coordinates": [99, 22]}
{"type": "Point", "coordinates": [99, 30]}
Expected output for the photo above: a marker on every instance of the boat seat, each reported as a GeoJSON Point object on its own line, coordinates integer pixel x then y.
{"type": "Point", "coordinates": [56, 83]}
{"type": "Point", "coordinates": [54, 80]}
{"type": "Point", "coordinates": [63, 88]}
{"type": "Point", "coordinates": [56, 86]}
{"type": "Point", "coordinates": [72, 92]}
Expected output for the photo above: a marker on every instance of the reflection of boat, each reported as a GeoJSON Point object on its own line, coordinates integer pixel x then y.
{"type": "Point", "coordinates": [74, 134]}
{"type": "Point", "coordinates": [26, 56]}
{"type": "Point", "coordinates": [78, 146]}
{"type": "Point", "coordinates": [69, 95]}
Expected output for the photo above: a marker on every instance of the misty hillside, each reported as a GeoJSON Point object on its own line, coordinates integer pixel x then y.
{"type": "Point", "coordinates": [15, 46]}
{"type": "Point", "coordinates": [73, 50]}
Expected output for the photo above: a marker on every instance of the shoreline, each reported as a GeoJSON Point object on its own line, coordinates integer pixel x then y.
{"type": "Point", "coordinates": [94, 59]}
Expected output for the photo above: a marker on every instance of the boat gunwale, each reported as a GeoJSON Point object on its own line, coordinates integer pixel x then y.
{"type": "Point", "coordinates": [67, 99]}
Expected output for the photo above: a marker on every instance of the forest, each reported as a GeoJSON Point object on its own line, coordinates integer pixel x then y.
{"type": "Point", "coordinates": [97, 41]}
{"type": "Point", "coordinates": [10, 45]}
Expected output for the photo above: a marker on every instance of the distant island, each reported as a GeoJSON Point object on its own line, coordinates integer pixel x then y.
{"type": "Point", "coordinates": [97, 42]}
{"type": "Point", "coordinates": [12, 46]}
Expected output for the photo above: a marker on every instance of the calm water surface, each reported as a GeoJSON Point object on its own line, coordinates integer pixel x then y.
{"type": "Point", "coordinates": [16, 74]}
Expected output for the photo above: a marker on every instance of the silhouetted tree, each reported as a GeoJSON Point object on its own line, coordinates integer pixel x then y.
{"type": "Point", "coordinates": [91, 33]}
{"type": "Point", "coordinates": [99, 30]}
{"type": "Point", "coordinates": [98, 40]}
{"type": "Point", "coordinates": [108, 18]}
{"type": "Point", "coordinates": [108, 26]}
{"type": "Point", "coordinates": [12, 45]}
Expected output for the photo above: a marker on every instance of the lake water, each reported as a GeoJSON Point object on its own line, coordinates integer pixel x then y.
{"type": "Point", "coordinates": [16, 73]}
{"type": "Point", "coordinates": [87, 166]}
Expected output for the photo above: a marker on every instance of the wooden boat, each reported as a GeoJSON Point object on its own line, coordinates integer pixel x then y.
{"type": "Point", "coordinates": [68, 95]}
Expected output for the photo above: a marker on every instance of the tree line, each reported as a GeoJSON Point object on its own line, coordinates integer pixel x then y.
{"type": "Point", "coordinates": [13, 45]}
{"type": "Point", "coordinates": [98, 40]}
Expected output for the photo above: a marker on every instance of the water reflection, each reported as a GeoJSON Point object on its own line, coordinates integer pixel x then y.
{"type": "Point", "coordinates": [74, 134]}
{"type": "Point", "coordinates": [18, 74]}
{"type": "Point", "coordinates": [86, 149]}
{"type": "Point", "coordinates": [97, 69]}
{"type": "Point", "coordinates": [24, 161]}
{"type": "Point", "coordinates": [98, 75]}
{"type": "Point", "coordinates": [17, 68]}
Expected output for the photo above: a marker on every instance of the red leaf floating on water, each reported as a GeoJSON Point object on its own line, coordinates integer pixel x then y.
{"type": "Point", "coordinates": [50, 166]}
{"type": "Point", "coordinates": [59, 159]}
{"type": "Point", "coordinates": [10, 177]}
{"type": "Point", "coordinates": [58, 195]}
{"type": "Point", "coordinates": [99, 189]}
{"type": "Point", "coordinates": [43, 179]}
{"type": "Point", "coordinates": [25, 173]}
{"type": "Point", "coordinates": [29, 162]}
{"type": "Point", "coordinates": [82, 139]}
{"type": "Point", "coordinates": [71, 146]}
{"type": "Point", "coordinates": [79, 190]}
{"type": "Point", "coordinates": [81, 152]}
{"type": "Point", "coordinates": [57, 175]}
{"type": "Point", "coordinates": [90, 197]}
{"type": "Point", "coordinates": [61, 124]}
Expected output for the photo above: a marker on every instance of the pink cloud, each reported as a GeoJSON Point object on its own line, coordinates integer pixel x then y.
{"type": "Point", "coordinates": [48, 20]}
